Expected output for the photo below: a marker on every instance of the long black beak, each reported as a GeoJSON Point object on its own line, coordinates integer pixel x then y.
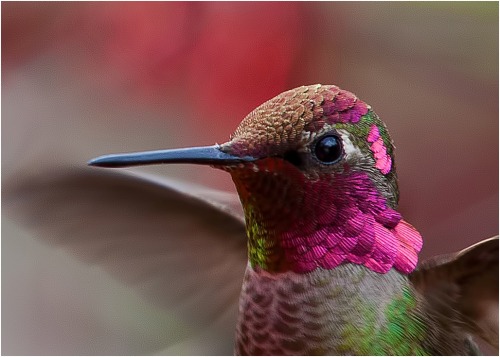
{"type": "Point", "coordinates": [205, 155]}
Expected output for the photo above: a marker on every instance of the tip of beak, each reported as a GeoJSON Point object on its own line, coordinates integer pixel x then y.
{"type": "Point", "coordinates": [105, 161]}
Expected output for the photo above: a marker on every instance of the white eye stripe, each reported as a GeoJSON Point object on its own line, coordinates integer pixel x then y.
{"type": "Point", "coordinates": [350, 150]}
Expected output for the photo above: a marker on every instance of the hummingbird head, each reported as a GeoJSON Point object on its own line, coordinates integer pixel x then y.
{"type": "Point", "coordinates": [318, 133]}
{"type": "Point", "coordinates": [314, 169]}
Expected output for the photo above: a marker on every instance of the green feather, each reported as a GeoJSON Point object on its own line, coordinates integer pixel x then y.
{"type": "Point", "coordinates": [402, 332]}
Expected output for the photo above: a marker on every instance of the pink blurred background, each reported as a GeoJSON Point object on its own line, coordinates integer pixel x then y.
{"type": "Point", "coordinates": [84, 79]}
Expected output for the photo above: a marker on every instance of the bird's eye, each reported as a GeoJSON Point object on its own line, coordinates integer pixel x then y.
{"type": "Point", "coordinates": [328, 149]}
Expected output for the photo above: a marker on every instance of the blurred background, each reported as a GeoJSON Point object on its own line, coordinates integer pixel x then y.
{"type": "Point", "coordinates": [84, 79]}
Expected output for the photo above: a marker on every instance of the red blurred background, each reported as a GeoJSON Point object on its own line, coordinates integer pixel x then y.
{"type": "Point", "coordinates": [84, 79]}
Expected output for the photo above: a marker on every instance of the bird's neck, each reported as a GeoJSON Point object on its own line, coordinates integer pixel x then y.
{"type": "Point", "coordinates": [328, 225]}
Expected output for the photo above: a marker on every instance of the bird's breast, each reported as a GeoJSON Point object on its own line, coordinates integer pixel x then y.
{"type": "Point", "coordinates": [322, 312]}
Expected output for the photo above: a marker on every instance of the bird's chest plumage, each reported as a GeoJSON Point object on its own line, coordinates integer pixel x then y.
{"type": "Point", "coordinates": [346, 310]}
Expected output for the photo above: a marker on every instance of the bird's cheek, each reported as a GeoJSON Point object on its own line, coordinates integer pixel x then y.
{"type": "Point", "coordinates": [269, 184]}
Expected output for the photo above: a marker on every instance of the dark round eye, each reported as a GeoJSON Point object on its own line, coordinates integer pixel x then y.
{"type": "Point", "coordinates": [328, 149]}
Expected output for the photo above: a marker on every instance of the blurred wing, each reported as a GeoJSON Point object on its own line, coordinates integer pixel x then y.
{"type": "Point", "coordinates": [184, 252]}
{"type": "Point", "coordinates": [472, 277]}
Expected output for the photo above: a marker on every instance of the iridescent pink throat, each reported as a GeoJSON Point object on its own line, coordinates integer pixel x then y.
{"type": "Point", "coordinates": [325, 224]}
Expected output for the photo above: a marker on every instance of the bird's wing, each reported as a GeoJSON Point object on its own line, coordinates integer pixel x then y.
{"type": "Point", "coordinates": [469, 281]}
{"type": "Point", "coordinates": [181, 247]}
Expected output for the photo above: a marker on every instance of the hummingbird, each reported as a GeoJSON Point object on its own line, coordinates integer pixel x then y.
{"type": "Point", "coordinates": [332, 266]}
{"type": "Point", "coordinates": [310, 257]}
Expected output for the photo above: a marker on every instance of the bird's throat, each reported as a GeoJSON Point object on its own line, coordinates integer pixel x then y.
{"type": "Point", "coordinates": [349, 222]}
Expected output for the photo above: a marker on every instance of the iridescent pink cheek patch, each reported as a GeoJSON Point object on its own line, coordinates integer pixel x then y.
{"type": "Point", "coordinates": [383, 160]}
